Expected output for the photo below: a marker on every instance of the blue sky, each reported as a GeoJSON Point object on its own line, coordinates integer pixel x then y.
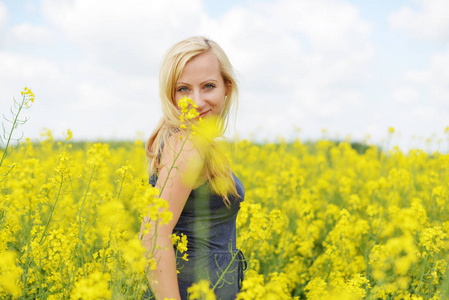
{"type": "Point", "coordinates": [353, 68]}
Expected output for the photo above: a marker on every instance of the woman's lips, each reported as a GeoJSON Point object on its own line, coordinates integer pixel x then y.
{"type": "Point", "coordinates": [203, 114]}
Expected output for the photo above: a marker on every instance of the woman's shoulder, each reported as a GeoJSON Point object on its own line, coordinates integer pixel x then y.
{"type": "Point", "coordinates": [180, 156]}
{"type": "Point", "coordinates": [179, 142]}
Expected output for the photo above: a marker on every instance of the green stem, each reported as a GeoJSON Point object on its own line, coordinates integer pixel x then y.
{"type": "Point", "coordinates": [225, 271]}
{"type": "Point", "coordinates": [227, 268]}
{"type": "Point", "coordinates": [121, 186]}
{"type": "Point", "coordinates": [422, 275]}
{"type": "Point", "coordinates": [25, 272]}
{"type": "Point", "coordinates": [14, 125]}
{"type": "Point", "coordinates": [82, 203]}
{"type": "Point", "coordinates": [73, 275]}
{"type": "Point", "coordinates": [163, 187]}
{"type": "Point", "coordinates": [174, 161]}
{"type": "Point", "coordinates": [381, 220]}
{"type": "Point", "coordinates": [52, 210]}
{"type": "Point", "coordinates": [154, 237]}
{"type": "Point", "coordinates": [27, 259]}
{"type": "Point", "coordinates": [264, 239]}
{"type": "Point", "coordinates": [71, 184]}
{"type": "Point", "coordinates": [105, 259]}
{"type": "Point", "coordinates": [81, 237]}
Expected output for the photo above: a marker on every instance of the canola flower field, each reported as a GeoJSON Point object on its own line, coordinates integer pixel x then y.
{"type": "Point", "coordinates": [319, 221]}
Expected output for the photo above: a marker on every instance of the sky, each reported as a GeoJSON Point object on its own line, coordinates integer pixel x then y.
{"type": "Point", "coordinates": [309, 69]}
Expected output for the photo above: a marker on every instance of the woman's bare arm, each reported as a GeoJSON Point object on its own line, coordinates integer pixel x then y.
{"type": "Point", "coordinates": [164, 280]}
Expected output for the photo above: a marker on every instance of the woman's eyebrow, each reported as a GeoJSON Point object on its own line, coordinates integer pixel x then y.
{"type": "Point", "coordinates": [208, 81]}
{"type": "Point", "coordinates": [185, 83]}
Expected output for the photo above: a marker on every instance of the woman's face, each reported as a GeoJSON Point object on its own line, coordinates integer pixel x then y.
{"type": "Point", "coordinates": [201, 81]}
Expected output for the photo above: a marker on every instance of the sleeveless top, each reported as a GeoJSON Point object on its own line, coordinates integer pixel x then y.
{"type": "Point", "coordinates": [210, 228]}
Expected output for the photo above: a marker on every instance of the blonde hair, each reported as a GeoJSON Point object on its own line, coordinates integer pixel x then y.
{"type": "Point", "coordinates": [173, 64]}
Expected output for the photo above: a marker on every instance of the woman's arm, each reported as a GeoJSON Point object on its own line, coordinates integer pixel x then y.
{"type": "Point", "coordinates": [164, 280]}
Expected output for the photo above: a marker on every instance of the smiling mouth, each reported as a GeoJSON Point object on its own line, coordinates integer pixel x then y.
{"type": "Point", "coordinates": [202, 115]}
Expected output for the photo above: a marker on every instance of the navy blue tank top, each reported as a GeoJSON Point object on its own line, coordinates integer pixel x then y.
{"type": "Point", "coordinates": [210, 228]}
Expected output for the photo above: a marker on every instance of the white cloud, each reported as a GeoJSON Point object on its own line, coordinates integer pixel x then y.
{"type": "Point", "coordinates": [260, 36]}
{"type": "Point", "coordinates": [19, 70]}
{"type": "Point", "coordinates": [405, 94]}
{"type": "Point", "coordinates": [31, 34]}
{"type": "Point", "coordinates": [294, 40]}
{"type": "Point", "coordinates": [309, 55]}
{"type": "Point", "coordinates": [92, 101]}
{"type": "Point", "coordinates": [130, 38]}
{"type": "Point", "coordinates": [433, 80]}
{"type": "Point", "coordinates": [42, 77]}
{"type": "Point", "coordinates": [430, 21]}
{"type": "Point", "coordinates": [334, 26]}
{"type": "Point", "coordinates": [3, 15]}
{"type": "Point", "coordinates": [301, 63]}
{"type": "Point", "coordinates": [421, 106]}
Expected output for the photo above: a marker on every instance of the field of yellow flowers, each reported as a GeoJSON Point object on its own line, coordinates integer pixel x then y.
{"type": "Point", "coordinates": [319, 221]}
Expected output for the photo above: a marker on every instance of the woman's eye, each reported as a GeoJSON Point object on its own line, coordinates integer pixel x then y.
{"type": "Point", "coordinates": [209, 86]}
{"type": "Point", "coordinates": [183, 89]}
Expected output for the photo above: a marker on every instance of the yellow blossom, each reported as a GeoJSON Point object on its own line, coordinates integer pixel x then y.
{"type": "Point", "coordinates": [9, 274]}
{"type": "Point", "coordinates": [201, 290]}
{"type": "Point", "coordinates": [95, 286]}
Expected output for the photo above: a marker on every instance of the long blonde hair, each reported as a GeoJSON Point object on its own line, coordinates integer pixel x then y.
{"type": "Point", "coordinates": [170, 72]}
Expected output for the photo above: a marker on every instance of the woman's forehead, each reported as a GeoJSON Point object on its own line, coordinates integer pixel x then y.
{"type": "Point", "coordinates": [203, 65]}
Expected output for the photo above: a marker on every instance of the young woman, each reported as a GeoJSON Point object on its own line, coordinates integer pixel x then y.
{"type": "Point", "coordinates": [204, 205]}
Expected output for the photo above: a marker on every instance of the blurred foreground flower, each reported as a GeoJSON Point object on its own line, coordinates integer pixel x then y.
{"type": "Point", "coordinates": [95, 286]}
{"type": "Point", "coordinates": [10, 274]}
{"type": "Point", "coordinates": [201, 291]}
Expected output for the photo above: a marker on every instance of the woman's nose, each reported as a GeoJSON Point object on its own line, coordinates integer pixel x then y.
{"type": "Point", "coordinates": [199, 100]}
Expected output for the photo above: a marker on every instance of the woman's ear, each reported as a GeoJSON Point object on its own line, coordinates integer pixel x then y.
{"type": "Point", "coordinates": [228, 87]}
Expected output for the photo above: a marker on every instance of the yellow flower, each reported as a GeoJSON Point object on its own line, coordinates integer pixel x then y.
{"type": "Point", "coordinates": [188, 111]}
{"type": "Point", "coordinates": [27, 94]}
{"type": "Point", "coordinates": [192, 114]}
{"type": "Point", "coordinates": [180, 242]}
{"type": "Point", "coordinates": [317, 220]}
{"type": "Point", "coordinates": [253, 287]}
{"type": "Point", "coordinates": [95, 286]}
{"type": "Point", "coordinates": [317, 289]}
{"type": "Point", "coordinates": [184, 257]}
{"type": "Point", "coordinates": [175, 238]}
{"type": "Point", "coordinates": [10, 274]}
{"type": "Point", "coordinates": [201, 290]}
{"type": "Point", "coordinates": [158, 211]}
{"type": "Point", "coordinates": [134, 255]}
{"type": "Point", "coordinates": [69, 135]}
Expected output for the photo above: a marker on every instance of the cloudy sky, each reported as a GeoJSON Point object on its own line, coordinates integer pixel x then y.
{"type": "Point", "coordinates": [354, 67]}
